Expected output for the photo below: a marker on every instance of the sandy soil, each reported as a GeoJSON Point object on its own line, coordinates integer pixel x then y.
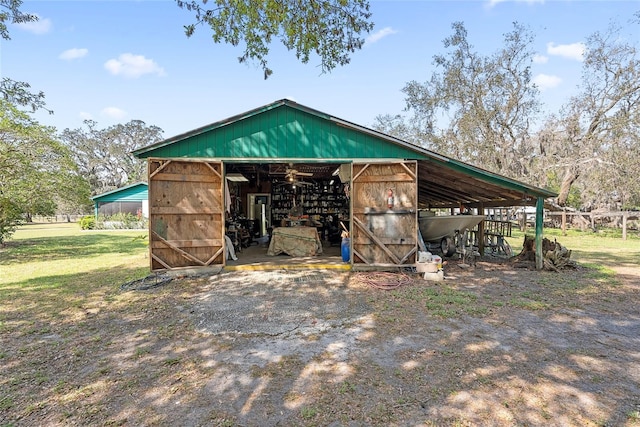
{"type": "Point", "coordinates": [490, 346]}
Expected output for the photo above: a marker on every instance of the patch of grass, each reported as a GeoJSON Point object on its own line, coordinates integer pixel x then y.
{"type": "Point", "coordinates": [346, 387]}
{"type": "Point", "coordinates": [308, 413]}
{"type": "Point", "coordinates": [60, 386]}
{"type": "Point", "coordinates": [171, 361]}
{"type": "Point", "coordinates": [382, 414]}
{"type": "Point", "coordinates": [5, 403]}
{"type": "Point", "coordinates": [141, 351]}
{"type": "Point", "coordinates": [52, 271]}
{"type": "Point", "coordinates": [442, 300]}
{"type": "Point", "coordinates": [602, 274]}
{"type": "Point", "coordinates": [604, 247]}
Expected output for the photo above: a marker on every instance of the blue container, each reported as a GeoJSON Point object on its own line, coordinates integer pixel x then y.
{"type": "Point", "coordinates": [346, 247]}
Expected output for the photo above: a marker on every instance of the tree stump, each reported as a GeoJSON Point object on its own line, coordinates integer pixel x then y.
{"type": "Point", "coordinates": [555, 256]}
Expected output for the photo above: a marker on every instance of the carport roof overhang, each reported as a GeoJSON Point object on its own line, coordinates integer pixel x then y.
{"type": "Point", "coordinates": [285, 131]}
{"type": "Point", "coordinates": [445, 183]}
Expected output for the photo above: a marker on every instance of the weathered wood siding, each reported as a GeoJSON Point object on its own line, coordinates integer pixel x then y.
{"type": "Point", "coordinates": [384, 237]}
{"type": "Point", "coordinates": [186, 213]}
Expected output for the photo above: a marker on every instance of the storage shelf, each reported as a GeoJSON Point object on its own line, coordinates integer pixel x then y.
{"type": "Point", "coordinates": [320, 200]}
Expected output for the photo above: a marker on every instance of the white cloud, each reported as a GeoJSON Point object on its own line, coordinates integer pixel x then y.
{"type": "Point", "coordinates": [74, 53]}
{"type": "Point", "coordinates": [379, 35]}
{"type": "Point", "coordinates": [545, 81]}
{"type": "Point", "coordinates": [41, 26]}
{"type": "Point", "coordinates": [133, 66]}
{"type": "Point", "coordinates": [540, 59]}
{"type": "Point", "coordinates": [114, 113]}
{"type": "Point", "coordinates": [85, 116]}
{"type": "Point", "coordinates": [491, 3]}
{"type": "Point", "coordinates": [570, 51]}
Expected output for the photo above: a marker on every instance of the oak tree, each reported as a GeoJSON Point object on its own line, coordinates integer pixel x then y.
{"type": "Point", "coordinates": [104, 156]}
{"type": "Point", "coordinates": [36, 170]}
{"type": "Point", "coordinates": [479, 108]}
{"type": "Point", "coordinates": [595, 137]}
{"type": "Point", "coordinates": [330, 29]}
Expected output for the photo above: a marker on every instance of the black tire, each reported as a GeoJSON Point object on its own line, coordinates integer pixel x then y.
{"type": "Point", "coordinates": [447, 246]}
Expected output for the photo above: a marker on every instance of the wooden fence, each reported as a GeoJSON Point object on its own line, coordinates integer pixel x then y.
{"type": "Point", "coordinates": [57, 218]}
{"type": "Point", "coordinates": [590, 219]}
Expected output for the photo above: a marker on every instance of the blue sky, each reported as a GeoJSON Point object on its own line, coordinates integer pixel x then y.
{"type": "Point", "coordinates": [116, 61]}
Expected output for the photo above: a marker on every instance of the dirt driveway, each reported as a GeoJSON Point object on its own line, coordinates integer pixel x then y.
{"type": "Point", "coordinates": [489, 346]}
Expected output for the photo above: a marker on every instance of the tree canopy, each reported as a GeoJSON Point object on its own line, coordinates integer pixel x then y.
{"type": "Point", "coordinates": [104, 156]}
{"type": "Point", "coordinates": [484, 109]}
{"type": "Point", "coordinates": [331, 29]}
{"type": "Point", "coordinates": [10, 12]}
{"type": "Point", "coordinates": [36, 170]}
{"type": "Point", "coordinates": [13, 91]}
{"type": "Point", "coordinates": [595, 137]}
{"type": "Point", "coordinates": [478, 108]}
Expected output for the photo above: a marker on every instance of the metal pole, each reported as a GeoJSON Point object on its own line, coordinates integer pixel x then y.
{"type": "Point", "coordinates": [539, 232]}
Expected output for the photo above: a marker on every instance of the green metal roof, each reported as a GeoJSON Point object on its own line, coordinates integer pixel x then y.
{"type": "Point", "coordinates": [282, 130]}
{"type": "Point", "coordinates": [286, 130]}
{"type": "Point", "coordinates": [130, 193]}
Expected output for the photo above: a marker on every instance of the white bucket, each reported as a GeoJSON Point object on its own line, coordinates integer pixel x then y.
{"type": "Point", "coordinates": [424, 256]}
{"type": "Point", "coordinates": [426, 267]}
{"type": "Point", "coordinates": [438, 276]}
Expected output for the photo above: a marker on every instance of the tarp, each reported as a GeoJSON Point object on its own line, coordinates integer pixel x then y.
{"type": "Point", "coordinates": [295, 241]}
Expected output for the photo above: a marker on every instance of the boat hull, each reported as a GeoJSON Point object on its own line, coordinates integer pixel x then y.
{"type": "Point", "coordinates": [435, 228]}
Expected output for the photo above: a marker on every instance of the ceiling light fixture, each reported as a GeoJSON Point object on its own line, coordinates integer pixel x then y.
{"type": "Point", "coordinates": [236, 177]}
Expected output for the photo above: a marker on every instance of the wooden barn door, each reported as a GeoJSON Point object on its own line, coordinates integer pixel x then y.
{"type": "Point", "coordinates": [383, 236]}
{"type": "Point", "coordinates": [186, 214]}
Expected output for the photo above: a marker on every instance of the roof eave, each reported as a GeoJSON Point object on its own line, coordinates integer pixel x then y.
{"type": "Point", "coordinates": [117, 190]}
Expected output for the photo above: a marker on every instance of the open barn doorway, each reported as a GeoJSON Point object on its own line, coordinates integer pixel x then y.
{"type": "Point", "coordinates": [286, 213]}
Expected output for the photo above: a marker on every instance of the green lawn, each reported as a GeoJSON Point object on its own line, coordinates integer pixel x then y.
{"type": "Point", "coordinates": [50, 263]}
{"type": "Point", "coordinates": [589, 248]}
{"type": "Point", "coordinates": [64, 261]}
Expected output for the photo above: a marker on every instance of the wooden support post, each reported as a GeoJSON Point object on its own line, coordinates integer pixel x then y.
{"type": "Point", "coordinates": [624, 225]}
{"type": "Point", "coordinates": [564, 221]}
{"type": "Point", "coordinates": [539, 223]}
{"type": "Point", "coordinates": [481, 231]}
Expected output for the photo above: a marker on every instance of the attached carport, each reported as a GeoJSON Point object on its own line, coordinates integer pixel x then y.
{"type": "Point", "coordinates": [187, 181]}
{"type": "Point", "coordinates": [446, 183]}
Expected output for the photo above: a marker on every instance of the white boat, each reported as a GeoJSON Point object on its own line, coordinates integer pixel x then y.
{"type": "Point", "coordinates": [435, 228]}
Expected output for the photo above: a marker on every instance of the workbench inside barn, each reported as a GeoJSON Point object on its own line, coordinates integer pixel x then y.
{"type": "Point", "coordinates": [295, 241]}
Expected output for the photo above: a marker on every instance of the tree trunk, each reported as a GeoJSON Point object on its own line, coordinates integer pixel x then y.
{"type": "Point", "coordinates": [555, 256]}
{"type": "Point", "coordinates": [569, 178]}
